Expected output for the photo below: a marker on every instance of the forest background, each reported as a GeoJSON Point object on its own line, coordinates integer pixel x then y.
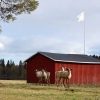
{"type": "Point", "coordinates": [10, 71]}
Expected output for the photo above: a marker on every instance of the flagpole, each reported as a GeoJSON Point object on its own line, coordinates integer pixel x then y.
{"type": "Point", "coordinates": [84, 33]}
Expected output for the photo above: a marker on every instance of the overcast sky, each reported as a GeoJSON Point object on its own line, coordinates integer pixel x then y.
{"type": "Point", "coordinates": [52, 27]}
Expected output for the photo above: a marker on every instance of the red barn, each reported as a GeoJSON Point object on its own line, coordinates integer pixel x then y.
{"type": "Point", "coordinates": [86, 69]}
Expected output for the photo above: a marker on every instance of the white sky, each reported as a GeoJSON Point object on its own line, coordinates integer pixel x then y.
{"type": "Point", "coordinates": [52, 27]}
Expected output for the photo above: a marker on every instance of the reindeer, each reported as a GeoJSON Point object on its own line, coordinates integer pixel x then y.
{"type": "Point", "coordinates": [43, 76]}
{"type": "Point", "coordinates": [57, 73]}
{"type": "Point", "coordinates": [39, 76]}
{"type": "Point", "coordinates": [64, 75]}
{"type": "Point", "coordinates": [46, 76]}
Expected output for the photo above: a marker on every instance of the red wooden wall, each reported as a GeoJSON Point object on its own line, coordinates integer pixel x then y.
{"type": "Point", "coordinates": [82, 73]}
{"type": "Point", "coordinates": [38, 62]}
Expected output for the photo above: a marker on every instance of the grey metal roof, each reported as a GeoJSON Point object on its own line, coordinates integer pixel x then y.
{"type": "Point", "coordinates": [77, 58]}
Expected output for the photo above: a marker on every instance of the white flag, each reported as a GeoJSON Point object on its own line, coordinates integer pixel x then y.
{"type": "Point", "coordinates": [81, 17]}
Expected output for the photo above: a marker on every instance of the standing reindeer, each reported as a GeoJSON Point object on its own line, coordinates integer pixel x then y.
{"type": "Point", "coordinates": [39, 76]}
{"type": "Point", "coordinates": [43, 76]}
{"type": "Point", "coordinates": [64, 75]}
{"type": "Point", "coordinates": [57, 73]}
{"type": "Point", "coordinates": [46, 76]}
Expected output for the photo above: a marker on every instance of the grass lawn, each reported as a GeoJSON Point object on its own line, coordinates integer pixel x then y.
{"type": "Point", "coordinates": [20, 90]}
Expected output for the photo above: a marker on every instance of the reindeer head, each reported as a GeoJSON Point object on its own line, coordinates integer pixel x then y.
{"type": "Point", "coordinates": [62, 68]}
{"type": "Point", "coordinates": [35, 70]}
{"type": "Point", "coordinates": [69, 69]}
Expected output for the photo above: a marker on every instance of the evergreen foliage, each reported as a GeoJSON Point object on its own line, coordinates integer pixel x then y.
{"type": "Point", "coordinates": [96, 56]}
{"type": "Point", "coordinates": [12, 71]}
{"type": "Point", "coordinates": [10, 8]}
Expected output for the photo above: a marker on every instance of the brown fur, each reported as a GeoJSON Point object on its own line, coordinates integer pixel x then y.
{"type": "Point", "coordinates": [64, 75]}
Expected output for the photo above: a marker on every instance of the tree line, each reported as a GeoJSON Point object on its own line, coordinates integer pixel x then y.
{"type": "Point", "coordinates": [95, 56]}
{"type": "Point", "coordinates": [10, 71]}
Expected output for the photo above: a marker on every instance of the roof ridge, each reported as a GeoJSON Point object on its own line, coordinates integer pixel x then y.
{"type": "Point", "coordinates": [61, 53]}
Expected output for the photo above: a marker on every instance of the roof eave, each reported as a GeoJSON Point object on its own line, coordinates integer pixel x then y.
{"type": "Point", "coordinates": [77, 62]}
{"type": "Point", "coordinates": [36, 54]}
{"type": "Point", "coordinates": [30, 57]}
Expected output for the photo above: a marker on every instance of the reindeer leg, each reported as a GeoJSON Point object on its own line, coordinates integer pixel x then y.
{"type": "Point", "coordinates": [64, 83]}
{"type": "Point", "coordinates": [45, 81]}
{"type": "Point", "coordinates": [39, 81]}
{"type": "Point", "coordinates": [61, 81]}
{"type": "Point", "coordinates": [68, 83]}
{"type": "Point", "coordinates": [57, 82]}
{"type": "Point", "coordinates": [48, 81]}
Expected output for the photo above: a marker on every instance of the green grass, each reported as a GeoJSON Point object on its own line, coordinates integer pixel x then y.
{"type": "Point", "coordinates": [20, 90]}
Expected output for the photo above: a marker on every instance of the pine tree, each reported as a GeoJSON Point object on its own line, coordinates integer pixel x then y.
{"type": "Point", "coordinates": [10, 8]}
